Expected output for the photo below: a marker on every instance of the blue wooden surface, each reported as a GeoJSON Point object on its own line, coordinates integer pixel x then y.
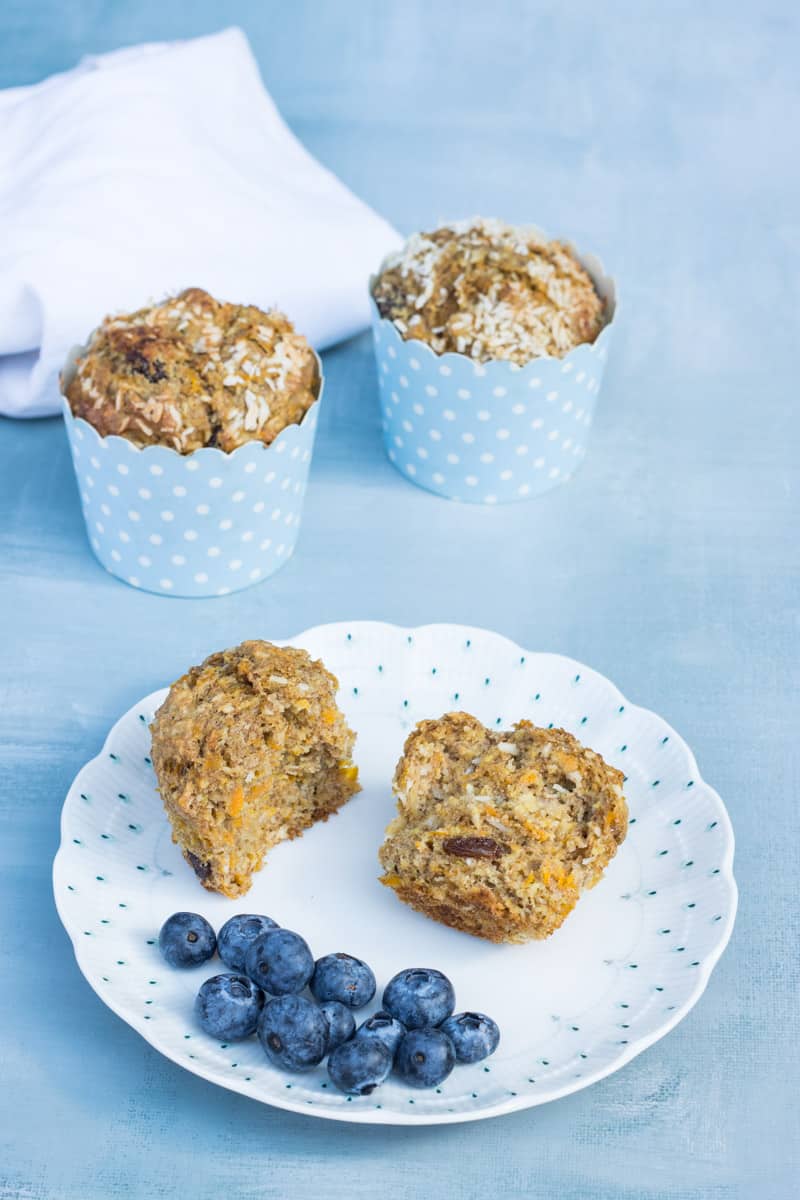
{"type": "Point", "coordinates": [664, 137]}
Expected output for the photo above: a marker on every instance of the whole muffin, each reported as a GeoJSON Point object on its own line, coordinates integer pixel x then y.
{"type": "Point", "coordinates": [249, 749]}
{"type": "Point", "coordinates": [490, 291]}
{"type": "Point", "coordinates": [194, 371]}
{"type": "Point", "coordinates": [498, 833]}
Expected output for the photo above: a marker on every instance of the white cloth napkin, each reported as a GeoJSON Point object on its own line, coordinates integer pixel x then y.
{"type": "Point", "coordinates": [156, 168]}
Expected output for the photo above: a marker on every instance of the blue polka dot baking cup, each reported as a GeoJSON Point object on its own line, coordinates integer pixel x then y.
{"type": "Point", "coordinates": [200, 524]}
{"type": "Point", "coordinates": [488, 432]}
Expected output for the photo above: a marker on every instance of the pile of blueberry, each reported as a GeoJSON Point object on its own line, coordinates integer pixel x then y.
{"type": "Point", "coordinates": [414, 1033]}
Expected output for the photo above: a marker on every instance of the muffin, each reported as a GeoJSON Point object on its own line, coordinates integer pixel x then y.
{"type": "Point", "coordinates": [499, 833]}
{"type": "Point", "coordinates": [191, 425]}
{"type": "Point", "coordinates": [194, 371]}
{"type": "Point", "coordinates": [491, 342]}
{"type": "Point", "coordinates": [490, 291]}
{"type": "Point", "coordinates": [249, 749]}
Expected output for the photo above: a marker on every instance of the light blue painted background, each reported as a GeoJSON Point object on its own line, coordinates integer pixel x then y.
{"type": "Point", "coordinates": [664, 137]}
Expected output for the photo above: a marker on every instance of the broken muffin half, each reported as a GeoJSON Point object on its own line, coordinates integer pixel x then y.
{"type": "Point", "coordinates": [249, 749]}
{"type": "Point", "coordinates": [498, 833]}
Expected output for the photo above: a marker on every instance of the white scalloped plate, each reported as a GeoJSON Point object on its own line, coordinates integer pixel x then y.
{"type": "Point", "coordinates": [628, 964]}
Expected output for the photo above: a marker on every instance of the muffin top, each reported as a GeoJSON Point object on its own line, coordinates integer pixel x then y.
{"type": "Point", "coordinates": [194, 371]}
{"type": "Point", "coordinates": [490, 291]}
{"type": "Point", "coordinates": [457, 760]}
{"type": "Point", "coordinates": [239, 708]}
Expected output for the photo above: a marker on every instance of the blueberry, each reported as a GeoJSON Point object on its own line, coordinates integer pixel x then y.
{"type": "Point", "coordinates": [237, 934]}
{"type": "Point", "coordinates": [186, 939]}
{"type": "Point", "coordinates": [341, 1023]}
{"type": "Point", "coordinates": [424, 1057]}
{"type": "Point", "coordinates": [359, 1066]}
{"type": "Point", "coordinates": [474, 1036]}
{"type": "Point", "coordinates": [419, 996]}
{"type": "Point", "coordinates": [228, 1007]}
{"type": "Point", "coordinates": [384, 1027]}
{"type": "Point", "coordinates": [293, 1032]}
{"type": "Point", "coordinates": [279, 961]}
{"type": "Point", "coordinates": [344, 978]}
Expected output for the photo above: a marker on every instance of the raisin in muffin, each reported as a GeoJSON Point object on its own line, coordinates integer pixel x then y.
{"type": "Point", "coordinates": [498, 833]}
{"type": "Point", "coordinates": [249, 749]}
{"type": "Point", "coordinates": [192, 372]}
{"type": "Point", "coordinates": [490, 291]}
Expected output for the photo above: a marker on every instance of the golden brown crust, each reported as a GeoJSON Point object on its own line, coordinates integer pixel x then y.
{"type": "Point", "coordinates": [194, 372]}
{"type": "Point", "coordinates": [498, 833]}
{"type": "Point", "coordinates": [249, 749]}
{"type": "Point", "coordinates": [490, 291]}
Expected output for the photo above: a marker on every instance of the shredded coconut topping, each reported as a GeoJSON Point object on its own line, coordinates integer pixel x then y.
{"type": "Point", "coordinates": [490, 290]}
{"type": "Point", "coordinates": [194, 371]}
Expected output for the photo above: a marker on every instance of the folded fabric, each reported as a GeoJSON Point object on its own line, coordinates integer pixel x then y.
{"type": "Point", "coordinates": [156, 168]}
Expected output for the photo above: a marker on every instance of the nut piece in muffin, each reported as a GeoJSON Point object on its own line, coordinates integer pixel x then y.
{"type": "Point", "coordinates": [490, 291]}
{"type": "Point", "coordinates": [498, 833]}
{"type": "Point", "coordinates": [193, 371]}
{"type": "Point", "coordinates": [249, 749]}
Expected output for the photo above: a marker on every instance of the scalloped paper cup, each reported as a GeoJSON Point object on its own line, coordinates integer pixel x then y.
{"type": "Point", "coordinates": [490, 432]}
{"type": "Point", "coordinates": [200, 524]}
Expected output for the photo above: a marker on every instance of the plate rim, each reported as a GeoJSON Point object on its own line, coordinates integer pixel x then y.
{"type": "Point", "coordinates": [373, 1116]}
